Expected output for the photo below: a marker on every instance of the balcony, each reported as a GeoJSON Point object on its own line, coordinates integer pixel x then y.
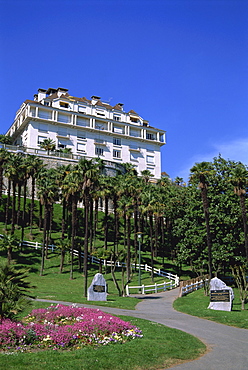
{"type": "Point", "coordinates": [63, 136]}
{"type": "Point", "coordinates": [134, 148]}
{"type": "Point", "coordinates": [99, 142]}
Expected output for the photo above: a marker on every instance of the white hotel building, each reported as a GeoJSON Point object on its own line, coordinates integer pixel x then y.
{"type": "Point", "coordinates": [90, 128]}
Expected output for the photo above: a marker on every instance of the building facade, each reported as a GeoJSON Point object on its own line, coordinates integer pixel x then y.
{"type": "Point", "coordinates": [89, 128]}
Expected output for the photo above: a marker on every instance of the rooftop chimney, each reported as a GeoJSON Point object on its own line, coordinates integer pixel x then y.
{"type": "Point", "coordinates": [94, 99]}
{"type": "Point", "coordinates": [41, 94]}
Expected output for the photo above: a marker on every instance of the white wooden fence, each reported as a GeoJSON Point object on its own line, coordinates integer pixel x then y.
{"type": "Point", "coordinates": [191, 287]}
{"type": "Point", "coordinates": [155, 288]}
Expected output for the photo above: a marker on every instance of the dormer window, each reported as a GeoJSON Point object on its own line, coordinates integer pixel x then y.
{"type": "Point", "coordinates": [63, 104]}
{"type": "Point", "coordinates": [134, 119]}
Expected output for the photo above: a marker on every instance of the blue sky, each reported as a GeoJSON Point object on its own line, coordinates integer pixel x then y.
{"type": "Point", "coordinates": [180, 64]}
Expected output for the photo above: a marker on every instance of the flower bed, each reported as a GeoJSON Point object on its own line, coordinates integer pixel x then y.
{"type": "Point", "coordinates": [63, 327]}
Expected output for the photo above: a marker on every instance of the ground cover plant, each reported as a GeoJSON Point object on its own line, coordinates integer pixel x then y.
{"type": "Point", "coordinates": [160, 347]}
{"type": "Point", "coordinates": [63, 327]}
{"type": "Point", "coordinates": [196, 304]}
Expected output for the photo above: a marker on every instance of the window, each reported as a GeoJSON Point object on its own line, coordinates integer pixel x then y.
{"type": "Point", "coordinates": [116, 153]}
{"type": "Point", "coordinates": [80, 147]}
{"type": "Point", "coordinates": [150, 159]}
{"type": "Point", "coordinates": [117, 118]}
{"type": "Point", "coordinates": [150, 136]}
{"type": "Point", "coordinates": [82, 109]}
{"type": "Point", "coordinates": [99, 151]}
{"type": "Point", "coordinates": [63, 104]}
{"type": "Point", "coordinates": [46, 103]}
{"type": "Point", "coordinates": [134, 119]}
{"type": "Point", "coordinates": [41, 139]}
{"type": "Point", "coordinates": [45, 114]}
{"type": "Point", "coordinates": [82, 122]}
{"type": "Point", "coordinates": [61, 146]}
{"type": "Point", "coordinates": [64, 118]}
{"type": "Point", "coordinates": [118, 130]}
{"type": "Point", "coordinates": [116, 141]}
{"type": "Point", "coordinates": [100, 113]}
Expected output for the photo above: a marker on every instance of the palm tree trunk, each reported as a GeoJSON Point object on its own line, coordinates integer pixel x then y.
{"type": "Point", "coordinates": [106, 223]}
{"type": "Point", "coordinates": [18, 205]}
{"type": "Point", "coordinates": [13, 208]}
{"type": "Point", "coordinates": [86, 236]}
{"type": "Point", "coordinates": [244, 217]}
{"type": "Point", "coordinates": [7, 205]}
{"type": "Point", "coordinates": [24, 208]}
{"type": "Point", "coordinates": [128, 248]}
{"type": "Point", "coordinates": [73, 231]}
{"type": "Point", "coordinates": [209, 239]}
{"type": "Point", "coordinates": [44, 242]}
{"type": "Point", "coordinates": [91, 225]}
{"type": "Point", "coordinates": [32, 206]}
{"type": "Point", "coordinates": [151, 244]}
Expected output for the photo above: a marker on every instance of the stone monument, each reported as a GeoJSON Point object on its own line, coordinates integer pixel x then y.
{"type": "Point", "coordinates": [221, 295]}
{"type": "Point", "coordinates": [97, 290]}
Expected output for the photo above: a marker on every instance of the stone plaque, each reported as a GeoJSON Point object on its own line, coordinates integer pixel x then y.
{"type": "Point", "coordinates": [97, 290]}
{"type": "Point", "coordinates": [221, 296]}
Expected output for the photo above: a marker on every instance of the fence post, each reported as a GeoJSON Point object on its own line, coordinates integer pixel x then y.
{"type": "Point", "coordinates": [127, 290]}
{"type": "Point", "coordinates": [36, 245]}
{"type": "Point", "coordinates": [143, 289]}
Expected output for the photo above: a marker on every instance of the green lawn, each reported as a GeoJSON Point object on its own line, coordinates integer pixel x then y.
{"type": "Point", "coordinates": [196, 304]}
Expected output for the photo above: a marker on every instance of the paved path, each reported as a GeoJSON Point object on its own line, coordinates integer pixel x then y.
{"type": "Point", "coordinates": [227, 346]}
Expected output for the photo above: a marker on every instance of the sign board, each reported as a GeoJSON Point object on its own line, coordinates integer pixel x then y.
{"type": "Point", "coordinates": [221, 295]}
{"type": "Point", "coordinates": [97, 290]}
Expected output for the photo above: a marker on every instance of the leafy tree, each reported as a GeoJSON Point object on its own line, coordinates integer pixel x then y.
{"type": "Point", "coordinates": [239, 179]}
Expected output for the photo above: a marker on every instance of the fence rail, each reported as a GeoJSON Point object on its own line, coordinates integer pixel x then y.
{"type": "Point", "coordinates": [155, 288]}
{"type": "Point", "coordinates": [191, 286]}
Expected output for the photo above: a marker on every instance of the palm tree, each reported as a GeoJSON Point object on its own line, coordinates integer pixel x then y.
{"type": "Point", "coordinates": [239, 179]}
{"type": "Point", "coordinates": [90, 171]}
{"type": "Point", "coordinates": [4, 139]}
{"type": "Point", "coordinates": [62, 172]}
{"type": "Point", "coordinates": [71, 188]}
{"type": "Point", "coordinates": [48, 194]}
{"type": "Point", "coordinates": [35, 166]}
{"type": "Point", "coordinates": [48, 144]}
{"type": "Point", "coordinates": [12, 172]}
{"type": "Point", "coordinates": [200, 173]}
{"type": "Point", "coordinates": [9, 242]}
{"type": "Point", "coordinates": [64, 245]}
{"type": "Point", "coordinates": [14, 290]}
